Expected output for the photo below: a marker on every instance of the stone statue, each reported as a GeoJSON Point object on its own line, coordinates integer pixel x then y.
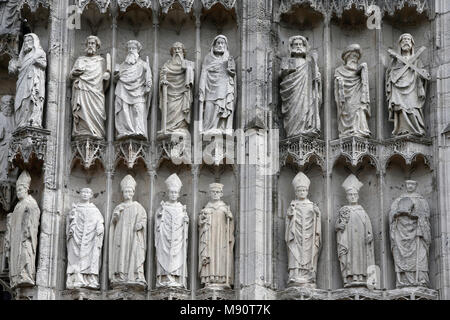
{"type": "Point", "coordinates": [406, 88]}
{"type": "Point", "coordinates": [84, 232]}
{"type": "Point", "coordinates": [354, 237]}
{"type": "Point", "coordinates": [30, 86]}
{"type": "Point", "coordinates": [171, 235]}
{"type": "Point", "coordinates": [300, 90]}
{"type": "Point", "coordinates": [175, 91]}
{"type": "Point", "coordinates": [128, 239]}
{"type": "Point", "coordinates": [22, 236]}
{"type": "Point", "coordinates": [6, 128]}
{"type": "Point", "coordinates": [218, 88]}
{"type": "Point", "coordinates": [88, 97]}
{"type": "Point", "coordinates": [351, 91]}
{"type": "Point", "coordinates": [133, 94]}
{"type": "Point", "coordinates": [410, 233]}
{"type": "Point", "coordinates": [216, 241]}
{"type": "Point", "coordinates": [303, 235]}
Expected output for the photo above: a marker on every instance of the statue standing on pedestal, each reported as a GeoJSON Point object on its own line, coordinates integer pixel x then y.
{"type": "Point", "coordinates": [303, 235]}
{"type": "Point", "coordinates": [175, 91]}
{"type": "Point", "coordinates": [300, 90]}
{"type": "Point", "coordinates": [6, 128]}
{"type": "Point", "coordinates": [84, 232]}
{"type": "Point", "coordinates": [216, 241]}
{"type": "Point", "coordinates": [171, 235]}
{"type": "Point", "coordinates": [88, 97]}
{"type": "Point", "coordinates": [410, 233]}
{"type": "Point", "coordinates": [406, 88]}
{"type": "Point", "coordinates": [354, 237]}
{"type": "Point", "coordinates": [351, 91]}
{"type": "Point", "coordinates": [128, 239]}
{"type": "Point", "coordinates": [30, 86]}
{"type": "Point", "coordinates": [218, 88]}
{"type": "Point", "coordinates": [22, 236]}
{"type": "Point", "coordinates": [133, 94]}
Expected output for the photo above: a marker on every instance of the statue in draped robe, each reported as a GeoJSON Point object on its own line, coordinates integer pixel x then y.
{"type": "Point", "coordinates": [354, 238]}
{"type": "Point", "coordinates": [410, 233]}
{"type": "Point", "coordinates": [216, 241]}
{"type": "Point", "coordinates": [30, 86]}
{"type": "Point", "coordinates": [171, 238]}
{"type": "Point", "coordinates": [133, 94]}
{"type": "Point", "coordinates": [128, 239]}
{"type": "Point", "coordinates": [351, 85]}
{"type": "Point", "coordinates": [406, 88]}
{"type": "Point", "coordinates": [176, 91]}
{"type": "Point", "coordinates": [218, 88]}
{"type": "Point", "coordinates": [7, 127]}
{"type": "Point", "coordinates": [88, 98]}
{"type": "Point", "coordinates": [300, 90]}
{"type": "Point", "coordinates": [84, 232]}
{"type": "Point", "coordinates": [22, 236]}
{"type": "Point", "coordinates": [303, 235]}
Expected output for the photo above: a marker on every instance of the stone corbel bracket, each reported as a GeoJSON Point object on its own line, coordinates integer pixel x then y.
{"type": "Point", "coordinates": [409, 148]}
{"type": "Point", "coordinates": [130, 151]}
{"type": "Point", "coordinates": [6, 195]}
{"type": "Point", "coordinates": [124, 4]}
{"type": "Point", "coordinates": [391, 6]}
{"type": "Point", "coordinates": [339, 6]}
{"type": "Point", "coordinates": [228, 4]}
{"type": "Point", "coordinates": [174, 147]}
{"type": "Point", "coordinates": [88, 150]}
{"type": "Point", "coordinates": [102, 5]}
{"type": "Point", "coordinates": [215, 294]}
{"type": "Point", "coordinates": [167, 4]}
{"type": "Point", "coordinates": [354, 149]}
{"type": "Point", "coordinates": [317, 5]}
{"type": "Point", "coordinates": [302, 150]}
{"type": "Point", "coordinates": [27, 143]}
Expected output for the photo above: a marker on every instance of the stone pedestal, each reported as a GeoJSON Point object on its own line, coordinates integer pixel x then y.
{"type": "Point", "coordinates": [211, 293]}
{"type": "Point", "coordinates": [413, 293]}
{"type": "Point", "coordinates": [168, 293]}
{"type": "Point", "coordinates": [301, 293]}
{"type": "Point", "coordinates": [356, 294]}
{"type": "Point", "coordinates": [81, 294]}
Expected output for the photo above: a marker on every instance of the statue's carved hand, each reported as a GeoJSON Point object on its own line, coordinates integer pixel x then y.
{"type": "Point", "coordinates": [115, 217]}
{"type": "Point", "coordinates": [77, 72]}
{"type": "Point", "coordinates": [138, 227]}
{"type": "Point", "coordinates": [369, 239]}
{"type": "Point", "coordinates": [106, 76]}
{"type": "Point", "coordinates": [340, 227]}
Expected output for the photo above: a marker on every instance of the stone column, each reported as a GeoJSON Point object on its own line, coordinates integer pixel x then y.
{"type": "Point", "coordinates": [255, 188]}
{"type": "Point", "coordinates": [50, 262]}
{"type": "Point", "coordinates": [441, 123]}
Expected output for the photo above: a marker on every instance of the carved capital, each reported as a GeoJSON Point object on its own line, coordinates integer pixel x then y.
{"type": "Point", "coordinates": [88, 150]}
{"type": "Point", "coordinates": [27, 143]}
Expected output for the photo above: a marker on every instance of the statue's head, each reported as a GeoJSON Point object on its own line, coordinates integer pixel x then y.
{"type": "Point", "coordinates": [351, 186]}
{"type": "Point", "coordinates": [134, 48]}
{"type": "Point", "coordinates": [128, 185]}
{"type": "Point", "coordinates": [7, 105]}
{"type": "Point", "coordinates": [301, 186]}
{"type": "Point", "coordinates": [298, 46]}
{"type": "Point", "coordinates": [86, 194]}
{"type": "Point", "coordinates": [178, 49]}
{"type": "Point", "coordinates": [352, 54]}
{"type": "Point", "coordinates": [406, 43]}
{"type": "Point", "coordinates": [216, 191]}
{"type": "Point", "coordinates": [30, 42]}
{"type": "Point", "coordinates": [220, 45]}
{"type": "Point", "coordinates": [23, 185]}
{"type": "Point", "coordinates": [174, 185]}
{"type": "Point", "coordinates": [411, 185]}
{"type": "Point", "coordinates": [93, 44]}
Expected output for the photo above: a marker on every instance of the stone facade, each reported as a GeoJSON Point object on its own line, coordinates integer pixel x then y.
{"type": "Point", "coordinates": [255, 165]}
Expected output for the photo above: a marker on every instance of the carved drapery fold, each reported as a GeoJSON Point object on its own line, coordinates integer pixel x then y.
{"type": "Point", "coordinates": [166, 4]}
{"type": "Point", "coordinates": [208, 4]}
{"type": "Point", "coordinates": [101, 4]}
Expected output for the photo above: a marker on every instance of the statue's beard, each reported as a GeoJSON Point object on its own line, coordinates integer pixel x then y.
{"type": "Point", "coordinates": [132, 58]}
{"type": "Point", "coordinates": [90, 51]}
{"type": "Point", "coordinates": [219, 52]}
{"type": "Point", "coordinates": [177, 58]}
{"type": "Point", "coordinates": [352, 64]}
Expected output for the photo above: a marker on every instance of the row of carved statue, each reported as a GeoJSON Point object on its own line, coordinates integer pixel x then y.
{"type": "Point", "coordinates": [409, 231]}
{"type": "Point", "coordinates": [409, 220]}
{"type": "Point", "coordinates": [300, 90]}
{"type": "Point", "coordinates": [127, 243]}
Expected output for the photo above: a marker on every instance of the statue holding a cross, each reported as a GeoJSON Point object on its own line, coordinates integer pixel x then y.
{"type": "Point", "coordinates": [406, 88]}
